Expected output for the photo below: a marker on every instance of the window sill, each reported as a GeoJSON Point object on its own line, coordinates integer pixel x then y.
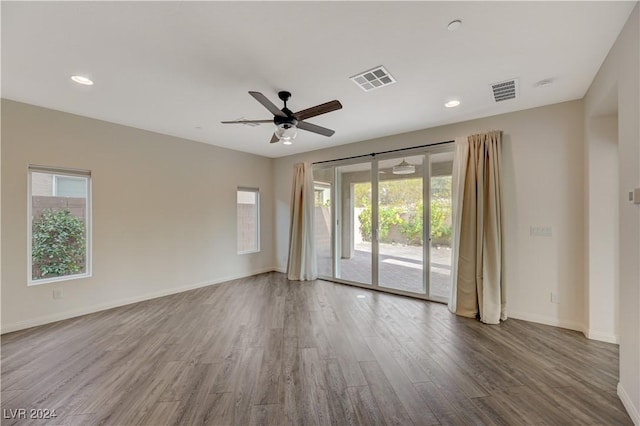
{"type": "Point", "coordinates": [57, 279]}
{"type": "Point", "coordinates": [249, 252]}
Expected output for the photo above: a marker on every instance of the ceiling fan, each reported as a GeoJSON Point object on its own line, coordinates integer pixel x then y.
{"type": "Point", "coordinates": [287, 122]}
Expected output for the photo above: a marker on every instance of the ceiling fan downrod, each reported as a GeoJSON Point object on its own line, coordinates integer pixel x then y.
{"type": "Point", "coordinates": [288, 121]}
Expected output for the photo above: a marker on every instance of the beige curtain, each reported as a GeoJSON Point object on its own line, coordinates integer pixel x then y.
{"type": "Point", "coordinates": [479, 282]}
{"type": "Point", "coordinates": [460, 158]}
{"type": "Point", "coordinates": [302, 251]}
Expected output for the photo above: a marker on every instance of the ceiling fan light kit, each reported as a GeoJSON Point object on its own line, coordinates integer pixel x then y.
{"type": "Point", "coordinates": [404, 168]}
{"type": "Point", "coordinates": [288, 122]}
{"type": "Point", "coordinates": [286, 133]}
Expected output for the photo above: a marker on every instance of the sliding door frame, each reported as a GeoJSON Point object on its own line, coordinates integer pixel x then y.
{"type": "Point", "coordinates": [336, 204]}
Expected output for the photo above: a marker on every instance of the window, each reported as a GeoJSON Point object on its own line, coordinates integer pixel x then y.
{"type": "Point", "coordinates": [248, 220]}
{"type": "Point", "coordinates": [69, 186]}
{"type": "Point", "coordinates": [59, 211]}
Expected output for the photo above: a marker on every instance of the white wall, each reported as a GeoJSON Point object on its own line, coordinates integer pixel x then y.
{"type": "Point", "coordinates": [601, 225]}
{"type": "Point", "coordinates": [543, 185]}
{"type": "Point", "coordinates": [164, 212]}
{"type": "Point", "coordinates": [621, 70]}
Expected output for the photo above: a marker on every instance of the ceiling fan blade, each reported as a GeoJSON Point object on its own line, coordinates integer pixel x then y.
{"type": "Point", "coordinates": [274, 139]}
{"type": "Point", "coordinates": [315, 129]}
{"type": "Point", "coordinates": [267, 104]}
{"type": "Point", "coordinates": [317, 110]}
{"type": "Point", "coordinates": [246, 121]}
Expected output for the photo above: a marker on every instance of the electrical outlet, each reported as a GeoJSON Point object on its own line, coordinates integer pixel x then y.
{"type": "Point", "coordinates": [554, 297]}
{"type": "Point", "coordinates": [57, 293]}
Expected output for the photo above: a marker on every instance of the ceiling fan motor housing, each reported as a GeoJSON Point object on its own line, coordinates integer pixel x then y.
{"type": "Point", "coordinates": [285, 122]}
{"type": "Point", "coordinates": [289, 121]}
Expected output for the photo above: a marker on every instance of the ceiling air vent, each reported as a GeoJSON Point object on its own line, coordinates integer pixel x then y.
{"type": "Point", "coordinates": [373, 79]}
{"type": "Point", "coordinates": [505, 90]}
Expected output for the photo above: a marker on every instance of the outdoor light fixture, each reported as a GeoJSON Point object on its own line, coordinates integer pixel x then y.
{"type": "Point", "coordinates": [404, 168]}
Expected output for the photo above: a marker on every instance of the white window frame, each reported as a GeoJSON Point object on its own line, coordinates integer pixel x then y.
{"type": "Point", "coordinates": [88, 224]}
{"type": "Point", "coordinates": [257, 236]}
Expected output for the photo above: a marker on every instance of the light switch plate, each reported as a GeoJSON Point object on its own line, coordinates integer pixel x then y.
{"type": "Point", "coordinates": [540, 231]}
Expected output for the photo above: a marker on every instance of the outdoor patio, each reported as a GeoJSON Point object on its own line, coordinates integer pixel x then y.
{"type": "Point", "coordinates": [400, 268]}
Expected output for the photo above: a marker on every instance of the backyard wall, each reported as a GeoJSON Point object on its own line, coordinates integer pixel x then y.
{"type": "Point", "coordinates": [543, 186]}
{"type": "Point", "coordinates": [164, 212]}
{"type": "Point", "coordinates": [75, 205]}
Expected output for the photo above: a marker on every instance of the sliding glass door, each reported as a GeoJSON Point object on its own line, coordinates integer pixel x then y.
{"type": "Point", "coordinates": [380, 221]}
{"type": "Point", "coordinates": [401, 254]}
{"type": "Point", "coordinates": [440, 211]}
{"type": "Point", "coordinates": [353, 216]}
{"type": "Point", "coordinates": [323, 192]}
{"type": "Point", "coordinates": [342, 215]}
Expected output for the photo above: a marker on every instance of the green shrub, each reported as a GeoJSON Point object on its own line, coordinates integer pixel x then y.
{"type": "Point", "coordinates": [410, 222]}
{"type": "Point", "coordinates": [58, 244]}
{"type": "Point", "coordinates": [412, 227]}
{"type": "Point", "coordinates": [440, 214]}
{"type": "Point", "coordinates": [365, 223]}
{"type": "Point", "coordinates": [387, 217]}
{"type": "Point", "coordinates": [401, 207]}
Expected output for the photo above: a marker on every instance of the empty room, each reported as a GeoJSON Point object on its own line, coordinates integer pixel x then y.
{"type": "Point", "coordinates": [320, 213]}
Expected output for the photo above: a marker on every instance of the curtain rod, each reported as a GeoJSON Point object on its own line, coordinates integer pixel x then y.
{"type": "Point", "coordinates": [373, 154]}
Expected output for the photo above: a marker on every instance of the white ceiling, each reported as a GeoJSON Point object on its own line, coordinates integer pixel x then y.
{"type": "Point", "coordinates": [179, 68]}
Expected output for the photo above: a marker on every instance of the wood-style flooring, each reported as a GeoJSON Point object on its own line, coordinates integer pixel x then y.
{"type": "Point", "coordinates": [263, 350]}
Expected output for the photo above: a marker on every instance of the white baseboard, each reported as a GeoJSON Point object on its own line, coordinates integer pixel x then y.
{"type": "Point", "coordinates": [58, 316]}
{"type": "Point", "coordinates": [541, 319]}
{"type": "Point", "coordinates": [602, 336]}
{"type": "Point", "coordinates": [626, 401]}
{"type": "Point", "coordinates": [571, 325]}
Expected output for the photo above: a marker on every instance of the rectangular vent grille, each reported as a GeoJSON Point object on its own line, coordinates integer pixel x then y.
{"type": "Point", "coordinates": [373, 79]}
{"type": "Point", "coordinates": [505, 90]}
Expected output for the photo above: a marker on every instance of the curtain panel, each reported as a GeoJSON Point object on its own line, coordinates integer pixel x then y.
{"type": "Point", "coordinates": [302, 264]}
{"type": "Point", "coordinates": [478, 280]}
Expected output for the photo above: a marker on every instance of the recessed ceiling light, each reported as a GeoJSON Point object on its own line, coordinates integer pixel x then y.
{"type": "Point", "coordinates": [452, 103]}
{"type": "Point", "coordinates": [361, 296]}
{"type": "Point", "coordinates": [454, 25]}
{"type": "Point", "coordinates": [82, 80]}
